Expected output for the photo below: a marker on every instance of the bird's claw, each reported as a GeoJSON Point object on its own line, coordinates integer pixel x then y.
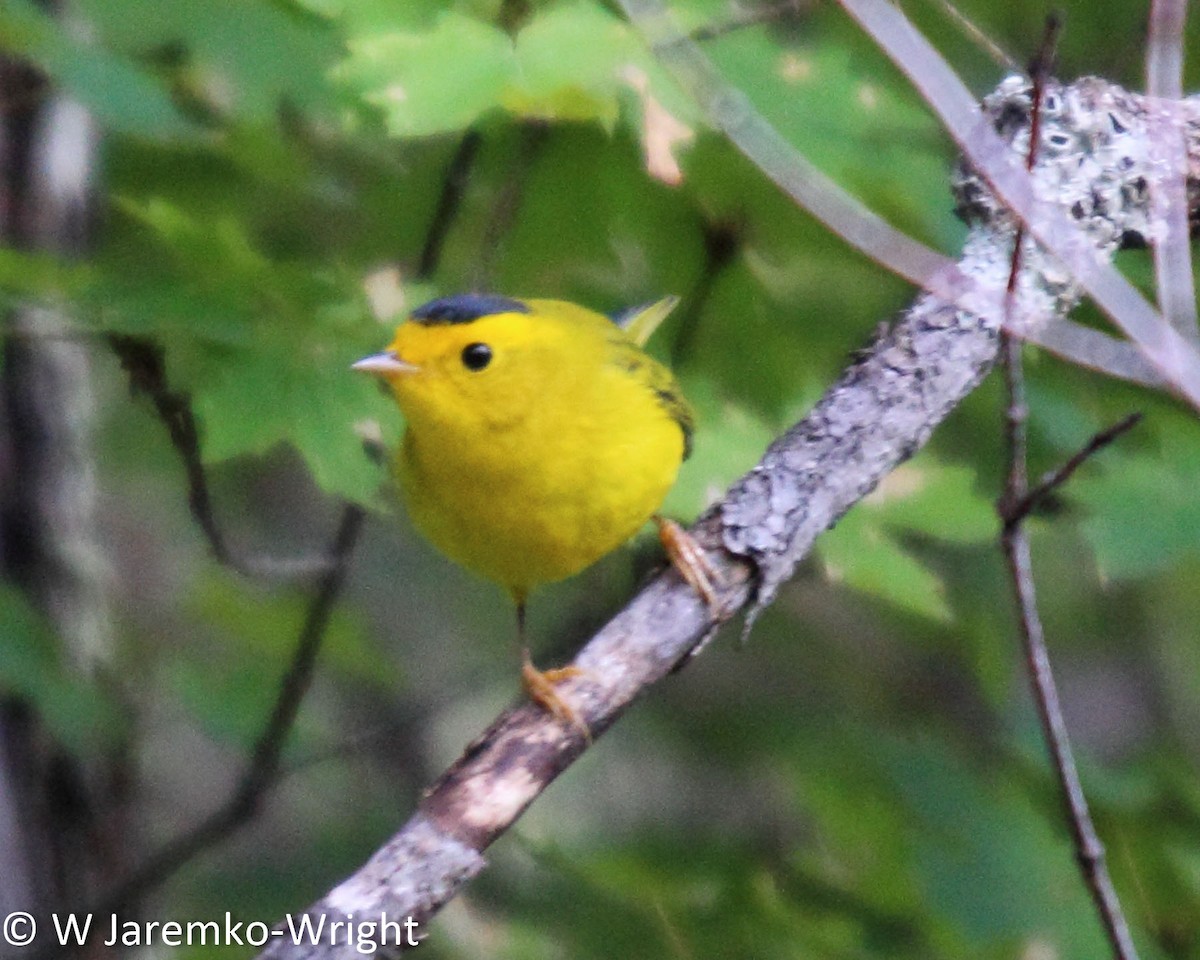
{"type": "Point", "coordinates": [540, 686]}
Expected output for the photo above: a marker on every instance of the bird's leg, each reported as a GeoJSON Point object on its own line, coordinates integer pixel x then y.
{"type": "Point", "coordinates": [689, 559]}
{"type": "Point", "coordinates": [539, 684]}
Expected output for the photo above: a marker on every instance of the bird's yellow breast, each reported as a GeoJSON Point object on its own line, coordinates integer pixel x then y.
{"type": "Point", "coordinates": [554, 454]}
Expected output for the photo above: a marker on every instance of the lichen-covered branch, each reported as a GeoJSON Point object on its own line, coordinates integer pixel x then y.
{"type": "Point", "coordinates": [1036, 200]}
{"type": "Point", "coordinates": [1091, 161]}
{"type": "Point", "coordinates": [881, 410]}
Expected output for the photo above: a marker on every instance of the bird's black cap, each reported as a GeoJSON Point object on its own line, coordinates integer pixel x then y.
{"type": "Point", "coordinates": [465, 307]}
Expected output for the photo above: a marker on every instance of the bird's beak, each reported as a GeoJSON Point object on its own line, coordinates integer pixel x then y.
{"type": "Point", "coordinates": [384, 364]}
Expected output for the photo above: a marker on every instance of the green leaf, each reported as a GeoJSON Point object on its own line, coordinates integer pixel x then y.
{"type": "Point", "coordinates": [220, 251]}
{"type": "Point", "coordinates": [229, 58]}
{"type": "Point", "coordinates": [435, 80]}
{"type": "Point", "coordinates": [304, 394]}
{"type": "Point", "coordinates": [933, 499]}
{"type": "Point", "coordinates": [920, 497]}
{"type": "Point", "coordinates": [569, 61]}
{"type": "Point", "coordinates": [1143, 519]}
{"type": "Point", "coordinates": [270, 363]}
{"type": "Point", "coordinates": [859, 553]}
{"type": "Point", "coordinates": [988, 858]}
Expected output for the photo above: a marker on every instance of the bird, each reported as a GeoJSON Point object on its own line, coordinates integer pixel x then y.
{"type": "Point", "coordinates": [539, 437]}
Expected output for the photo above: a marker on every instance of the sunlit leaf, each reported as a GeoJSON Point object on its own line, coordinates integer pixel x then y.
{"type": "Point", "coordinates": [435, 80]}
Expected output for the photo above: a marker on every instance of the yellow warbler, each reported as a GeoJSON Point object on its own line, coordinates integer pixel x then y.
{"type": "Point", "coordinates": [539, 438]}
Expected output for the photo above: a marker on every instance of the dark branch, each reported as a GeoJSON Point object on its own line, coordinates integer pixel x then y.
{"type": "Point", "coordinates": [1013, 506]}
{"type": "Point", "coordinates": [749, 16]}
{"type": "Point", "coordinates": [531, 138]}
{"type": "Point", "coordinates": [722, 244]}
{"type": "Point", "coordinates": [264, 765]}
{"type": "Point", "coordinates": [449, 201]}
{"type": "Point", "coordinates": [1053, 479]}
{"type": "Point", "coordinates": [1088, 849]}
{"type": "Point", "coordinates": [144, 363]}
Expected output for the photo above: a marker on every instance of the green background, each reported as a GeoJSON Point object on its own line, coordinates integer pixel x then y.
{"type": "Point", "coordinates": [865, 778]}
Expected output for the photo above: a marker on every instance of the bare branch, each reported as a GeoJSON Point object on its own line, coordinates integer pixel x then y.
{"type": "Point", "coordinates": [449, 201]}
{"type": "Point", "coordinates": [1168, 190]}
{"type": "Point", "coordinates": [1015, 542]}
{"type": "Point", "coordinates": [1053, 479]}
{"type": "Point", "coordinates": [263, 768]}
{"type": "Point", "coordinates": [1013, 506]}
{"type": "Point", "coordinates": [143, 361]}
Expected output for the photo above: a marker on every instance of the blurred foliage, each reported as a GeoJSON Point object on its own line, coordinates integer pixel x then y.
{"type": "Point", "coordinates": [865, 779]}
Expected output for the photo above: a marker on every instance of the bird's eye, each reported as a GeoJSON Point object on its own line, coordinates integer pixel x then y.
{"type": "Point", "coordinates": [476, 356]}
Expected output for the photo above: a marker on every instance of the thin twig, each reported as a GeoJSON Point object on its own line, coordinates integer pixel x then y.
{"type": "Point", "coordinates": [722, 243]}
{"type": "Point", "coordinates": [1089, 851]}
{"type": "Point", "coordinates": [1014, 505]}
{"type": "Point", "coordinates": [530, 140]}
{"type": "Point", "coordinates": [1053, 479]}
{"type": "Point", "coordinates": [264, 766]}
{"type": "Point", "coordinates": [449, 202]}
{"type": "Point", "coordinates": [1017, 412]}
{"type": "Point", "coordinates": [143, 361]}
{"type": "Point", "coordinates": [749, 16]}
{"type": "Point", "coordinates": [998, 54]}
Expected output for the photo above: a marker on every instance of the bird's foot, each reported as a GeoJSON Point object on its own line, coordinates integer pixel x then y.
{"type": "Point", "coordinates": [540, 684]}
{"type": "Point", "coordinates": [687, 556]}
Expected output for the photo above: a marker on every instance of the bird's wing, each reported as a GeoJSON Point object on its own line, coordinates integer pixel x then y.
{"type": "Point", "coordinates": [641, 322]}
{"type": "Point", "coordinates": [658, 380]}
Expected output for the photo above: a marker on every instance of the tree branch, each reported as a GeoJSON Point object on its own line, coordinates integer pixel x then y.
{"type": "Point", "coordinates": [454, 184]}
{"type": "Point", "coordinates": [1014, 507]}
{"type": "Point", "coordinates": [144, 363]}
{"type": "Point", "coordinates": [264, 765]}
